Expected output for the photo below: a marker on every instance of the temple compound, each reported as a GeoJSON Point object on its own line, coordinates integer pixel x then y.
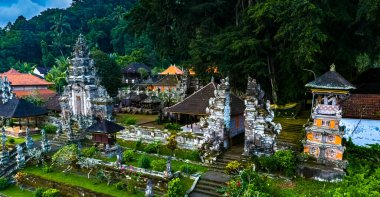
{"type": "Point", "coordinates": [324, 136]}
{"type": "Point", "coordinates": [260, 130]}
{"type": "Point", "coordinates": [83, 99]}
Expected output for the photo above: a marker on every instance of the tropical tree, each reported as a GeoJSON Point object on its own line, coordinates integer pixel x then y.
{"type": "Point", "coordinates": [57, 74]}
{"type": "Point", "coordinates": [24, 67]}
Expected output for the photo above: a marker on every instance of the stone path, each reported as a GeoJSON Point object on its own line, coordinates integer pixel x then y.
{"type": "Point", "coordinates": [216, 178]}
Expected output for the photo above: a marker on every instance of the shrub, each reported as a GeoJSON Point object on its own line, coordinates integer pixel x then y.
{"type": "Point", "coordinates": [286, 161]}
{"type": "Point", "coordinates": [38, 192]}
{"type": "Point", "coordinates": [12, 140]}
{"type": "Point", "coordinates": [3, 183]}
{"type": "Point", "coordinates": [128, 120]}
{"type": "Point", "coordinates": [267, 163]}
{"type": "Point", "coordinates": [89, 152]}
{"type": "Point", "coordinates": [159, 165]}
{"type": "Point", "coordinates": [193, 155]}
{"type": "Point", "coordinates": [172, 143]}
{"type": "Point", "coordinates": [51, 193]}
{"type": "Point", "coordinates": [188, 169]}
{"type": "Point", "coordinates": [120, 186]}
{"type": "Point", "coordinates": [138, 144]}
{"type": "Point", "coordinates": [173, 126]}
{"type": "Point", "coordinates": [153, 147]}
{"type": "Point", "coordinates": [131, 186]}
{"type": "Point", "coordinates": [128, 155]}
{"type": "Point", "coordinates": [233, 167]}
{"type": "Point", "coordinates": [174, 188]}
{"type": "Point", "coordinates": [49, 128]}
{"type": "Point", "coordinates": [144, 162]}
{"type": "Point", "coordinates": [46, 168]}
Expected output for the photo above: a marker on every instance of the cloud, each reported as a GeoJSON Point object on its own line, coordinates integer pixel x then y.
{"type": "Point", "coordinates": [28, 9]}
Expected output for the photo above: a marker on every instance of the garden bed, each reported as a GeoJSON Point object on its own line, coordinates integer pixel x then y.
{"type": "Point", "coordinates": [71, 184]}
{"type": "Point", "coordinates": [15, 191]}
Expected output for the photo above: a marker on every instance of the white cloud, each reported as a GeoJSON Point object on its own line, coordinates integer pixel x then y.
{"type": "Point", "coordinates": [28, 9]}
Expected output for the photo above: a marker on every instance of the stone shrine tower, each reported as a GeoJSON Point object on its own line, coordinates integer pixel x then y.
{"type": "Point", "coordinates": [324, 136]}
{"type": "Point", "coordinates": [84, 99]}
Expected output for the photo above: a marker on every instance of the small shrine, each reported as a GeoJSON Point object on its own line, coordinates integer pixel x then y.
{"type": "Point", "coordinates": [84, 99]}
{"type": "Point", "coordinates": [324, 135]}
{"type": "Point", "coordinates": [260, 130]}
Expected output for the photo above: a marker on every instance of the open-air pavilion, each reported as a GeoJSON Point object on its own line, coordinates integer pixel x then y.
{"type": "Point", "coordinates": [25, 113]}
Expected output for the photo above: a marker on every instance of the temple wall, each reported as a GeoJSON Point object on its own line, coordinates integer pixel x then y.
{"type": "Point", "coordinates": [362, 131]}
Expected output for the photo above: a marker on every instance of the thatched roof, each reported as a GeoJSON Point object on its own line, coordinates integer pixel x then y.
{"type": "Point", "coordinates": [197, 103]}
{"type": "Point", "coordinates": [104, 126]}
{"type": "Point", "coordinates": [20, 108]}
{"type": "Point", "coordinates": [331, 80]}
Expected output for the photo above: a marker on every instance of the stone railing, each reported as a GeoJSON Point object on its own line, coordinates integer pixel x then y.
{"type": "Point", "coordinates": [186, 140]}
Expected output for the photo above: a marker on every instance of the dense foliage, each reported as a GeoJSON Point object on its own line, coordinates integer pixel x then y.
{"type": "Point", "coordinates": [273, 40]}
{"type": "Point", "coordinates": [174, 188]}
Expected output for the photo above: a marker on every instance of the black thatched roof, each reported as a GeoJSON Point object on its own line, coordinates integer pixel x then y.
{"type": "Point", "coordinates": [53, 104]}
{"type": "Point", "coordinates": [134, 67]}
{"type": "Point", "coordinates": [331, 80]}
{"type": "Point", "coordinates": [168, 80]}
{"type": "Point", "coordinates": [138, 97]}
{"type": "Point", "coordinates": [104, 126]}
{"type": "Point", "coordinates": [20, 108]}
{"type": "Point", "coordinates": [197, 103]}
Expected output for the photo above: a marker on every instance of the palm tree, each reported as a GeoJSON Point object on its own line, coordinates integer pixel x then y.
{"type": "Point", "coordinates": [24, 67]}
{"type": "Point", "coordinates": [60, 26]}
{"type": "Point", "coordinates": [57, 74]}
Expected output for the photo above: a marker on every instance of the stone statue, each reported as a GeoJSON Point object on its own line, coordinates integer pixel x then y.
{"type": "Point", "coordinates": [119, 155]}
{"type": "Point", "coordinates": [4, 160]}
{"type": "Point", "coordinates": [168, 171]}
{"type": "Point", "coordinates": [28, 139]}
{"type": "Point", "coordinates": [149, 189]}
{"type": "Point", "coordinates": [20, 158]}
{"type": "Point", "coordinates": [45, 144]}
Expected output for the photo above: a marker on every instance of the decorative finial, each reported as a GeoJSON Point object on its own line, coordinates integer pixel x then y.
{"type": "Point", "coordinates": [332, 67]}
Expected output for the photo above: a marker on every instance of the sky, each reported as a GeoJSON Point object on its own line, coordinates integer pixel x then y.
{"type": "Point", "coordinates": [11, 9]}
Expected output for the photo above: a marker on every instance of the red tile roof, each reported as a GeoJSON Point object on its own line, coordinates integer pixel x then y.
{"type": "Point", "coordinates": [44, 94]}
{"type": "Point", "coordinates": [24, 79]}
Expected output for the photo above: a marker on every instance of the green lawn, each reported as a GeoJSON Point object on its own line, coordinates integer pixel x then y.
{"type": "Point", "coordinates": [81, 181]}
{"type": "Point", "coordinates": [15, 191]}
{"type": "Point", "coordinates": [141, 118]}
{"type": "Point", "coordinates": [19, 140]}
{"type": "Point", "coordinates": [300, 187]}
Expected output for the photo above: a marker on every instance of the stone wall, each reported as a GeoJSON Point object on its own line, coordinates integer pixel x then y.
{"type": "Point", "coordinates": [185, 140]}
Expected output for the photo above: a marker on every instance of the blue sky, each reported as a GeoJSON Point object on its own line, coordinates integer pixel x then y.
{"type": "Point", "coordinates": [11, 9]}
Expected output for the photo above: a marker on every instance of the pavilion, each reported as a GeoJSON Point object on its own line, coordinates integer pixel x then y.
{"type": "Point", "coordinates": [104, 131]}
{"type": "Point", "coordinates": [21, 109]}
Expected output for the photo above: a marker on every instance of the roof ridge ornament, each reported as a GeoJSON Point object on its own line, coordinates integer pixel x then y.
{"type": "Point", "coordinates": [332, 67]}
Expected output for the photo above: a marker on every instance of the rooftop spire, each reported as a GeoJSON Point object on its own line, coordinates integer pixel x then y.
{"type": "Point", "coordinates": [332, 67]}
{"type": "Point", "coordinates": [81, 48]}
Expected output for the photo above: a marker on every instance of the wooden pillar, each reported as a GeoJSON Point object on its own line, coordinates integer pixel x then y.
{"type": "Point", "coordinates": [19, 122]}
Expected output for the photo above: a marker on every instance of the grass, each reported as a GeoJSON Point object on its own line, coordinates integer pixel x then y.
{"type": "Point", "coordinates": [141, 118]}
{"type": "Point", "coordinates": [80, 181]}
{"type": "Point", "coordinates": [19, 140]}
{"type": "Point", "coordinates": [301, 187]}
{"type": "Point", "coordinates": [186, 183]}
{"type": "Point", "coordinates": [15, 191]}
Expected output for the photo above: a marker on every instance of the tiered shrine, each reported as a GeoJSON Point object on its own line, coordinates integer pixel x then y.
{"type": "Point", "coordinates": [324, 136]}
{"type": "Point", "coordinates": [83, 99]}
